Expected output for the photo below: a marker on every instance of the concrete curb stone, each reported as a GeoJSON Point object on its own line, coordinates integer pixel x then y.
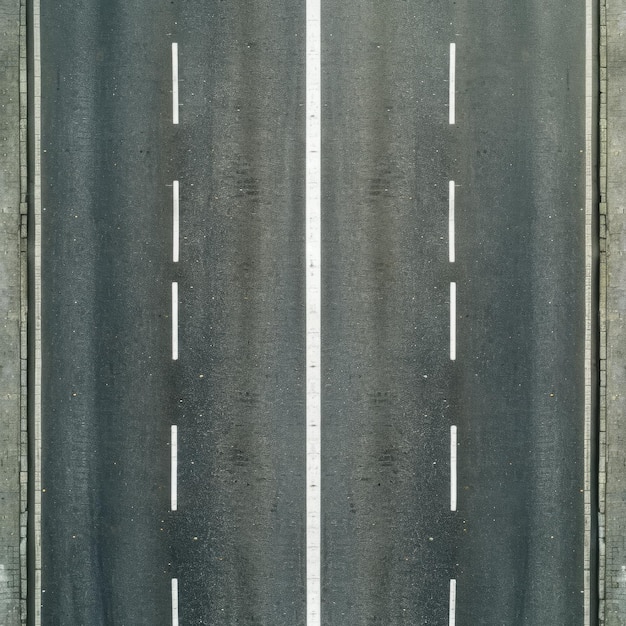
{"type": "Point", "coordinates": [612, 283]}
{"type": "Point", "coordinates": [13, 338]}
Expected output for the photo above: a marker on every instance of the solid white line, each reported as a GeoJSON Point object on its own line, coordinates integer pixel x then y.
{"type": "Point", "coordinates": [451, 253]}
{"type": "Point", "coordinates": [174, 321]}
{"type": "Point", "coordinates": [590, 209]}
{"type": "Point", "coordinates": [452, 321]}
{"type": "Point", "coordinates": [452, 612]}
{"type": "Point", "coordinates": [175, 83]}
{"type": "Point", "coordinates": [313, 309]}
{"type": "Point", "coordinates": [36, 540]}
{"type": "Point", "coordinates": [175, 219]}
{"type": "Point", "coordinates": [174, 468]}
{"type": "Point", "coordinates": [174, 601]}
{"type": "Point", "coordinates": [452, 81]}
{"type": "Point", "coordinates": [453, 468]}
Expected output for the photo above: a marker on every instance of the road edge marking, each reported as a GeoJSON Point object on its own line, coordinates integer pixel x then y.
{"type": "Point", "coordinates": [36, 462]}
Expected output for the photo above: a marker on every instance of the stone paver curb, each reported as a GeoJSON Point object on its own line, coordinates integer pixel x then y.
{"type": "Point", "coordinates": [612, 314]}
{"type": "Point", "coordinates": [23, 129]}
{"type": "Point", "coordinates": [13, 313]}
{"type": "Point", "coordinates": [602, 284]}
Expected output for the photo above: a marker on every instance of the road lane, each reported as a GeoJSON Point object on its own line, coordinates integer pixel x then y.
{"type": "Point", "coordinates": [510, 305]}
{"type": "Point", "coordinates": [105, 337]}
{"type": "Point", "coordinates": [238, 537]}
{"type": "Point", "coordinates": [387, 551]}
{"type": "Point", "coordinates": [520, 263]}
{"type": "Point", "coordinates": [112, 547]}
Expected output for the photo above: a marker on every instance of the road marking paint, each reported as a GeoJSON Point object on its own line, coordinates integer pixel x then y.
{"type": "Point", "coordinates": [174, 601]}
{"type": "Point", "coordinates": [453, 468]}
{"type": "Point", "coordinates": [452, 612]}
{"type": "Point", "coordinates": [313, 309]}
{"type": "Point", "coordinates": [175, 220]}
{"type": "Point", "coordinates": [35, 541]}
{"type": "Point", "coordinates": [175, 83]}
{"type": "Point", "coordinates": [591, 378]}
{"type": "Point", "coordinates": [451, 253]}
{"type": "Point", "coordinates": [174, 468]}
{"type": "Point", "coordinates": [174, 321]}
{"type": "Point", "coordinates": [452, 81]}
{"type": "Point", "coordinates": [452, 321]}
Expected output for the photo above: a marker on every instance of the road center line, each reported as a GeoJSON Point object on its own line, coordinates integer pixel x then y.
{"type": "Point", "coordinates": [452, 611]}
{"type": "Point", "coordinates": [451, 252]}
{"type": "Point", "coordinates": [174, 468]}
{"type": "Point", "coordinates": [175, 83]}
{"type": "Point", "coordinates": [175, 220]}
{"type": "Point", "coordinates": [174, 321]}
{"type": "Point", "coordinates": [452, 321]}
{"type": "Point", "coordinates": [174, 601]}
{"type": "Point", "coordinates": [452, 81]}
{"type": "Point", "coordinates": [313, 309]}
{"type": "Point", "coordinates": [453, 488]}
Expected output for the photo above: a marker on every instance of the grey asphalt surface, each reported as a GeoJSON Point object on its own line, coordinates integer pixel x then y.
{"type": "Point", "coordinates": [387, 552]}
{"type": "Point", "coordinates": [391, 393]}
{"type": "Point", "coordinates": [515, 392]}
{"type": "Point", "coordinates": [520, 392]}
{"type": "Point", "coordinates": [111, 390]}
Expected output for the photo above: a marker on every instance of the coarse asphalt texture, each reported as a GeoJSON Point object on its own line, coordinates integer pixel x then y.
{"type": "Point", "coordinates": [613, 223]}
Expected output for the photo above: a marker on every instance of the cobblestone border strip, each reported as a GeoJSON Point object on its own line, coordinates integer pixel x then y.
{"type": "Point", "coordinates": [602, 279]}
{"type": "Point", "coordinates": [23, 143]}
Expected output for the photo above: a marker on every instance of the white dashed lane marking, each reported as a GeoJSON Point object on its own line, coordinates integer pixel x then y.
{"type": "Point", "coordinates": [175, 83]}
{"type": "Point", "coordinates": [452, 610]}
{"type": "Point", "coordinates": [175, 321]}
{"type": "Point", "coordinates": [174, 468]}
{"type": "Point", "coordinates": [175, 221]}
{"type": "Point", "coordinates": [452, 103]}
{"type": "Point", "coordinates": [453, 488]}
{"type": "Point", "coordinates": [452, 321]}
{"type": "Point", "coordinates": [175, 602]}
{"type": "Point", "coordinates": [451, 242]}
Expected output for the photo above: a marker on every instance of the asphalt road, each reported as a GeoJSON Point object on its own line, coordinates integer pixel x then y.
{"type": "Point", "coordinates": [112, 391]}
{"type": "Point", "coordinates": [514, 390]}
{"type": "Point", "coordinates": [226, 366]}
{"type": "Point", "coordinates": [520, 394]}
